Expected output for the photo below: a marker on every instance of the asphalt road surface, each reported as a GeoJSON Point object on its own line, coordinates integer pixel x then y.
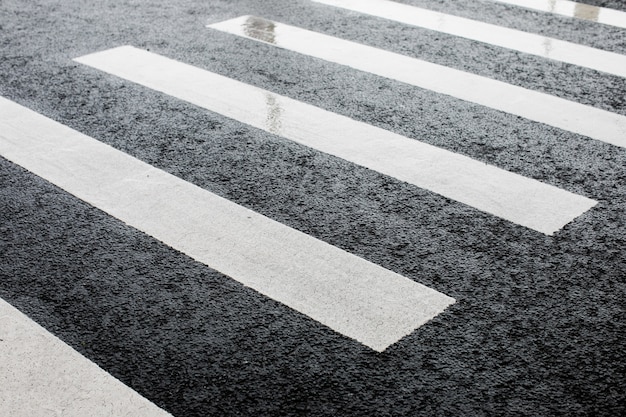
{"type": "Point", "coordinates": [283, 208]}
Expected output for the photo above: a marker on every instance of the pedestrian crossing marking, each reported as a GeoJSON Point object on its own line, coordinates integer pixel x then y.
{"type": "Point", "coordinates": [42, 376]}
{"type": "Point", "coordinates": [524, 201]}
{"type": "Point", "coordinates": [536, 327]}
{"type": "Point", "coordinates": [530, 43]}
{"type": "Point", "coordinates": [567, 8]}
{"type": "Point", "coordinates": [574, 117]}
{"type": "Point", "coordinates": [352, 296]}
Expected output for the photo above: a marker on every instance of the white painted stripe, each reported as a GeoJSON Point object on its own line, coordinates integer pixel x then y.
{"type": "Point", "coordinates": [42, 376]}
{"type": "Point", "coordinates": [568, 115]}
{"type": "Point", "coordinates": [572, 9]}
{"type": "Point", "coordinates": [521, 200]}
{"type": "Point", "coordinates": [529, 43]}
{"type": "Point", "coordinates": [354, 297]}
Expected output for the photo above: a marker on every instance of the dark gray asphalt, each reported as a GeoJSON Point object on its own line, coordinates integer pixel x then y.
{"type": "Point", "coordinates": [539, 327]}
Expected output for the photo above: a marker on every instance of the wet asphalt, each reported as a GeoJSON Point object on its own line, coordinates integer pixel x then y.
{"type": "Point", "coordinates": [539, 327]}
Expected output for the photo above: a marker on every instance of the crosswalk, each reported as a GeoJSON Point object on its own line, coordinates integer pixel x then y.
{"type": "Point", "coordinates": [344, 294]}
{"type": "Point", "coordinates": [606, 126]}
{"type": "Point", "coordinates": [528, 43]}
{"type": "Point", "coordinates": [493, 190]}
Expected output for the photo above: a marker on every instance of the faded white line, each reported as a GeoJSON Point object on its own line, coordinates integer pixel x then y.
{"type": "Point", "coordinates": [42, 376]}
{"type": "Point", "coordinates": [513, 197]}
{"type": "Point", "coordinates": [354, 297]}
{"type": "Point", "coordinates": [529, 43]}
{"type": "Point", "coordinates": [567, 115]}
{"type": "Point", "coordinates": [572, 9]}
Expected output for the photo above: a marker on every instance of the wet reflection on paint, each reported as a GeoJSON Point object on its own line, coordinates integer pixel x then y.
{"type": "Point", "coordinates": [584, 11]}
{"type": "Point", "coordinates": [261, 29]}
{"type": "Point", "coordinates": [547, 47]}
{"type": "Point", "coordinates": [273, 121]}
{"type": "Point", "coordinates": [581, 11]}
